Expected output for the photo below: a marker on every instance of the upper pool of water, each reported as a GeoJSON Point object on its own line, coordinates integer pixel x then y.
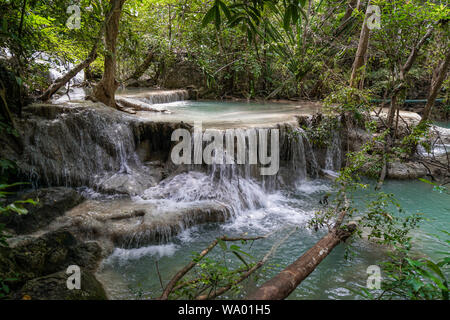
{"type": "Point", "coordinates": [219, 114]}
{"type": "Point", "coordinates": [212, 114]}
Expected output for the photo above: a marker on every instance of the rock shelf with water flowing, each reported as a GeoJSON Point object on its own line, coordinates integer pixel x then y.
{"type": "Point", "coordinates": [121, 163]}
{"type": "Point", "coordinates": [112, 154]}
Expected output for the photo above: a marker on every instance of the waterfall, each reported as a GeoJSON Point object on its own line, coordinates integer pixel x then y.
{"type": "Point", "coordinates": [57, 67]}
{"type": "Point", "coordinates": [240, 186]}
{"type": "Point", "coordinates": [333, 158]}
{"type": "Point", "coordinates": [97, 147]}
{"type": "Point", "coordinates": [153, 97]}
{"type": "Point", "coordinates": [85, 146]}
{"type": "Point", "coordinates": [298, 156]}
{"type": "Point", "coordinates": [90, 145]}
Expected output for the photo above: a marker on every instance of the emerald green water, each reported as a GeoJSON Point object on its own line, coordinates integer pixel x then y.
{"type": "Point", "coordinates": [444, 124]}
{"type": "Point", "coordinates": [230, 114]}
{"type": "Point", "coordinates": [127, 272]}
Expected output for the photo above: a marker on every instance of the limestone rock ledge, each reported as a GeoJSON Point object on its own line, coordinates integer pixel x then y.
{"type": "Point", "coordinates": [128, 223]}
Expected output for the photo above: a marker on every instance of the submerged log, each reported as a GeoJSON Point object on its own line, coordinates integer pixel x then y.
{"type": "Point", "coordinates": [282, 285]}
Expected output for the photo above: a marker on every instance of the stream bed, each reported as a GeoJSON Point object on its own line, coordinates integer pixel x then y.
{"type": "Point", "coordinates": [131, 273]}
{"type": "Point", "coordinates": [123, 156]}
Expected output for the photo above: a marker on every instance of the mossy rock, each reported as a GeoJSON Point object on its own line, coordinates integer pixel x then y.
{"type": "Point", "coordinates": [50, 253]}
{"type": "Point", "coordinates": [54, 287]}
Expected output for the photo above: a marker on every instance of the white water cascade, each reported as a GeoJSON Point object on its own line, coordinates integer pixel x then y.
{"type": "Point", "coordinates": [118, 154]}
{"type": "Point", "coordinates": [333, 158]}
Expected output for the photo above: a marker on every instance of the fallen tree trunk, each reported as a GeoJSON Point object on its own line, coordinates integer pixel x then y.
{"type": "Point", "coordinates": [60, 82]}
{"type": "Point", "coordinates": [287, 280]}
{"type": "Point", "coordinates": [247, 273]}
{"type": "Point", "coordinates": [54, 87]}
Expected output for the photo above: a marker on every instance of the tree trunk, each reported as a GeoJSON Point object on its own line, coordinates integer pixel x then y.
{"type": "Point", "coordinates": [54, 87]}
{"type": "Point", "coordinates": [170, 27]}
{"type": "Point", "coordinates": [22, 15]}
{"type": "Point", "coordinates": [438, 78]}
{"type": "Point", "coordinates": [282, 285]}
{"type": "Point", "coordinates": [305, 27]}
{"type": "Point", "coordinates": [104, 91]}
{"type": "Point", "coordinates": [352, 5]}
{"type": "Point", "coordinates": [361, 54]}
{"type": "Point", "coordinates": [143, 67]}
{"type": "Point", "coordinates": [397, 98]}
{"type": "Point", "coordinates": [403, 71]}
{"type": "Point", "coordinates": [315, 91]}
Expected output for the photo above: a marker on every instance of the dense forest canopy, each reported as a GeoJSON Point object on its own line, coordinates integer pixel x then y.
{"type": "Point", "coordinates": [236, 48]}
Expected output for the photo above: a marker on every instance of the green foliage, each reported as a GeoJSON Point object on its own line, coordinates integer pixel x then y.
{"type": "Point", "coordinates": [414, 279]}
{"type": "Point", "coordinates": [210, 274]}
{"type": "Point", "coordinates": [348, 100]}
{"type": "Point", "coordinates": [385, 221]}
{"type": "Point", "coordinates": [436, 187]}
{"type": "Point", "coordinates": [418, 136]}
{"type": "Point", "coordinates": [381, 219]}
{"type": "Point", "coordinates": [36, 35]}
{"type": "Point", "coordinates": [7, 170]}
{"type": "Point", "coordinates": [4, 288]}
{"type": "Point", "coordinates": [320, 133]}
{"type": "Point", "coordinates": [15, 207]}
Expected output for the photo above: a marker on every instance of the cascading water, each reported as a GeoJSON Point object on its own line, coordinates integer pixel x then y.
{"type": "Point", "coordinates": [239, 186]}
{"type": "Point", "coordinates": [107, 150]}
{"type": "Point", "coordinates": [149, 98]}
{"type": "Point", "coordinates": [166, 212]}
{"type": "Point", "coordinates": [97, 147]}
{"type": "Point", "coordinates": [92, 147]}
{"type": "Point", "coordinates": [333, 158]}
{"type": "Point", "coordinates": [257, 208]}
{"type": "Point", "coordinates": [299, 156]}
{"type": "Point", "coordinates": [58, 67]}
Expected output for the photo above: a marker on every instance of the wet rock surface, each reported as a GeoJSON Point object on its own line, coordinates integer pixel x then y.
{"type": "Point", "coordinates": [406, 170]}
{"type": "Point", "coordinates": [127, 223]}
{"type": "Point", "coordinates": [88, 144]}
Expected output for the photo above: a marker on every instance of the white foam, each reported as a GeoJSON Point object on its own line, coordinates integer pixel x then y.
{"type": "Point", "coordinates": [159, 251]}
{"type": "Point", "coordinates": [313, 186]}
